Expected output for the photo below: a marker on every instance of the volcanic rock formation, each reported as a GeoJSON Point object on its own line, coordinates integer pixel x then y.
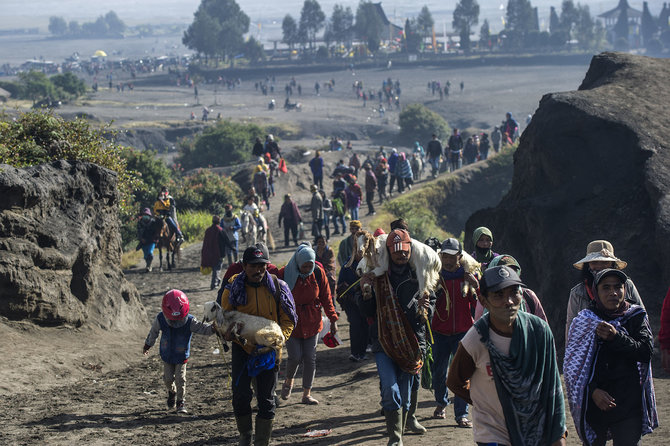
{"type": "Point", "coordinates": [592, 164]}
{"type": "Point", "coordinates": [60, 247]}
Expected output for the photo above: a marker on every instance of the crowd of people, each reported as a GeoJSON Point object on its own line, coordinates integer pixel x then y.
{"type": "Point", "coordinates": [481, 334]}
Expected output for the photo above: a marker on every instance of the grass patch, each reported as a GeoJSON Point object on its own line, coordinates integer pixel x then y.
{"type": "Point", "coordinates": [194, 223]}
{"type": "Point", "coordinates": [131, 258]}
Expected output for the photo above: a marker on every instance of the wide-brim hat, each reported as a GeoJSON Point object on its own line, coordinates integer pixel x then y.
{"type": "Point", "coordinates": [600, 251]}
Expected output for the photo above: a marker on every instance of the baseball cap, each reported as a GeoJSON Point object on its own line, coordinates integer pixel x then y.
{"type": "Point", "coordinates": [256, 254]}
{"type": "Point", "coordinates": [499, 277]}
{"type": "Point", "coordinates": [609, 272]}
{"type": "Point", "coordinates": [451, 246]}
{"type": "Point", "coordinates": [398, 240]}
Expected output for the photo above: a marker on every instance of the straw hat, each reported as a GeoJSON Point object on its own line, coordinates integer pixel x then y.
{"type": "Point", "coordinates": [600, 251]}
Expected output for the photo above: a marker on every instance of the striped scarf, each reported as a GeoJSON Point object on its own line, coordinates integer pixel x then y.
{"type": "Point", "coordinates": [581, 355]}
{"type": "Point", "coordinates": [527, 381]}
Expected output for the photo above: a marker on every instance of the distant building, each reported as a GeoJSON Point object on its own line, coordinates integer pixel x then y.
{"type": "Point", "coordinates": [612, 16]}
{"type": "Point", "coordinates": [391, 31]}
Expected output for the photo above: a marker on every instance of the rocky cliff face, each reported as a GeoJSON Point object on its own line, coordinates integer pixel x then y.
{"type": "Point", "coordinates": [593, 164]}
{"type": "Point", "coordinates": [60, 247]}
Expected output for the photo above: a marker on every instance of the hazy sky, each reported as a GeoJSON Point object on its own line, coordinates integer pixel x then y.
{"type": "Point", "coordinates": [31, 13]}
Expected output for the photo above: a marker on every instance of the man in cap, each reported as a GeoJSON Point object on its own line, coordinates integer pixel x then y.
{"type": "Point", "coordinates": [599, 256]}
{"type": "Point", "coordinates": [346, 248]}
{"type": "Point", "coordinates": [452, 319]}
{"type": "Point", "coordinates": [257, 292]}
{"type": "Point", "coordinates": [506, 367]}
{"type": "Point", "coordinates": [398, 333]}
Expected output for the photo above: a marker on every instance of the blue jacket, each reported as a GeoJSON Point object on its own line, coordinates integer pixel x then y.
{"type": "Point", "coordinates": [175, 346]}
{"type": "Point", "coordinates": [316, 164]}
{"type": "Point", "coordinates": [393, 159]}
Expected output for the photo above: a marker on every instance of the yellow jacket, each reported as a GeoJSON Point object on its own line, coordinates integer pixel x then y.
{"type": "Point", "coordinates": [163, 206]}
{"type": "Point", "coordinates": [260, 302]}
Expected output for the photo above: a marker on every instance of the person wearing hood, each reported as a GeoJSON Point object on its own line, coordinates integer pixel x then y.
{"type": "Point", "coordinates": [231, 227]}
{"type": "Point", "coordinates": [403, 173]}
{"type": "Point", "coordinates": [392, 162]}
{"type": "Point", "coordinates": [291, 215]}
{"type": "Point", "coordinates": [599, 256]}
{"type": "Point", "coordinates": [418, 149]}
{"type": "Point", "coordinates": [482, 238]}
{"type": "Point", "coordinates": [147, 234]}
{"type": "Point", "coordinates": [311, 292]}
{"type": "Point", "coordinates": [607, 367]}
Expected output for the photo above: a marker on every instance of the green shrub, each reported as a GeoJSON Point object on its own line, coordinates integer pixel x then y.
{"type": "Point", "coordinates": [227, 143]}
{"type": "Point", "coordinates": [417, 122]}
{"type": "Point", "coordinates": [205, 191]}
{"type": "Point", "coordinates": [153, 172]}
{"type": "Point", "coordinates": [194, 223]}
{"type": "Point", "coordinates": [421, 221]}
{"type": "Point", "coordinates": [40, 137]}
{"type": "Point", "coordinates": [70, 84]}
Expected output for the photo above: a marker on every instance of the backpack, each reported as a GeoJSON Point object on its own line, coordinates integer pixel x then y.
{"type": "Point", "coordinates": [338, 206]}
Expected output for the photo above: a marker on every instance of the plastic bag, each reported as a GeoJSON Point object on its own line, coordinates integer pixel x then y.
{"type": "Point", "coordinates": [326, 327]}
{"type": "Point", "coordinates": [427, 369]}
{"type": "Point", "coordinates": [301, 231]}
{"type": "Point", "coordinates": [282, 165]}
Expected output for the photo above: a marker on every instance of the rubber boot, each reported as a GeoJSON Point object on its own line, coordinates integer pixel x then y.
{"type": "Point", "coordinates": [394, 419]}
{"type": "Point", "coordinates": [245, 429]}
{"type": "Point", "coordinates": [149, 260]}
{"type": "Point", "coordinates": [412, 424]}
{"type": "Point", "coordinates": [263, 432]}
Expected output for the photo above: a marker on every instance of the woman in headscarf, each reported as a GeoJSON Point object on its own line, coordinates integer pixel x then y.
{"type": "Point", "coordinates": [403, 172]}
{"type": "Point", "coordinates": [599, 256]}
{"type": "Point", "coordinates": [607, 366]}
{"type": "Point", "coordinates": [309, 285]}
{"type": "Point", "coordinates": [482, 238]}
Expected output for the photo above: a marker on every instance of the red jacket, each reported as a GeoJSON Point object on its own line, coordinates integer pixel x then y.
{"type": "Point", "coordinates": [457, 318]}
{"type": "Point", "coordinates": [310, 296]}
{"type": "Point", "coordinates": [664, 333]}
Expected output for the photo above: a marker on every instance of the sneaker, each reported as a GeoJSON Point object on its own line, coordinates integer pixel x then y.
{"type": "Point", "coordinates": [353, 358]}
{"type": "Point", "coordinates": [170, 400]}
{"type": "Point", "coordinates": [181, 408]}
{"type": "Point", "coordinates": [363, 357]}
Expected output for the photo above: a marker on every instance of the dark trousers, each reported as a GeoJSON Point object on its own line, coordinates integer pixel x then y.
{"type": "Point", "coordinates": [318, 180]}
{"type": "Point", "coordinates": [358, 326]}
{"type": "Point", "coordinates": [624, 433]}
{"type": "Point", "coordinates": [370, 197]}
{"type": "Point", "coordinates": [242, 393]}
{"type": "Point", "coordinates": [392, 179]}
{"type": "Point", "coordinates": [294, 230]}
{"type": "Point", "coordinates": [316, 227]}
{"type": "Point", "coordinates": [326, 225]}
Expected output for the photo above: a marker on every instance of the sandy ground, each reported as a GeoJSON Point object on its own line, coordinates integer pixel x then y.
{"type": "Point", "coordinates": [64, 386]}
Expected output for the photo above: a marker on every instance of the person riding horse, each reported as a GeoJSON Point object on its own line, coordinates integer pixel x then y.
{"type": "Point", "coordinates": [166, 208]}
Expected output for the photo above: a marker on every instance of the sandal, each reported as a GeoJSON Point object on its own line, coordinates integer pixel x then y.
{"type": "Point", "coordinates": [309, 400]}
{"type": "Point", "coordinates": [464, 423]}
{"type": "Point", "coordinates": [439, 413]}
{"type": "Point", "coordinates": [286, 391]}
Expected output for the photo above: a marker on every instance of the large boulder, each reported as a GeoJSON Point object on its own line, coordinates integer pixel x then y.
{"type": "Point", "coordinates": [592, 164]}
{"type": "Point", "coordinates": [60, 248]}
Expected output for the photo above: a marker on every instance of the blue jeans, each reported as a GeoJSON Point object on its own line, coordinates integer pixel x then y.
{"type": "Point", "coordinates": [148, 250]}
{"type": "Point", "coordinates": [434, 164]}
{"type": "Point", "coordinates": [395, 385]}
{"type": "Point", "coordinates": [340, 219]}
{"type": "Point", "coordinates": [354, 213]}
{"type": "Point", "coordinates": [443, 348]}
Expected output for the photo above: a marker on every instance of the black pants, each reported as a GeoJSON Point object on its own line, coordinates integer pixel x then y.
{"type": "Point", "coordinates": [318, 181]}
{"type": "Point", "coordinates": [358, 326]}
{"type": "Point", "coordinates": [294, 230]}
{"type": "Point", "coordinates": [242, 393]}
{"type": "Point", "coordinates": [391, 182]}
{"type": "Point", "coordinates": [624, 433]}
{"type": "Point", "coordinates": [370, 197]}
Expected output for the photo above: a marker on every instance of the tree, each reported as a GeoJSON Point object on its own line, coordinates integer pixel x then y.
{"type": "Point", "coordinates": [412, 38]}
{"type": "Point", "coordinates": [114, 24]}
{"type": "Point", "coordinates": [417, 119]}
{"type": "Point", "coordinates": [74, 28]}
{"type": "Point", "coordinates": [289, 31]}
{"type": "Point", "coordinates": [466, 15]}
{"type": "Point", "coordinates": [621, 28]}
{"type": "Point", "coordinates": [520, 16]}
{"type": "Point", "coordinates": [583, 28]}
{"type": "Point", "coordinates": [341, 23]}
{"type": "Point", "coordinates": [57, 25]}
{"type": "Point", "coordinates": [36, 86]}
{"type": "Point", "coordinates": [218, 29]}
{"type": "Point", "coordinates": [69, 83]}
{"type": "Point", "coordinates": [369, 25]}
{"type": "Point", "coordinates": [554, 22]}
{"type": "Point", "coordinates": [253, 50]}
{"type": "Point", "coordinates": [485, 35]}
{"type": "Point", "coordinates": [311, 21]}
{"type": "Point", "coordinates": [569, 17]}
{"type": "Point", "coordinates": [648, 25]}
{"type": "Point", "coordinates": [425, 22]}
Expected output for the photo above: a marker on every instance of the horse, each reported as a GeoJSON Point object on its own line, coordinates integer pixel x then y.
{"type": "Point", "coordinates": [167, 239]}
{"type": "Point", "coordinates": [248, 228]}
